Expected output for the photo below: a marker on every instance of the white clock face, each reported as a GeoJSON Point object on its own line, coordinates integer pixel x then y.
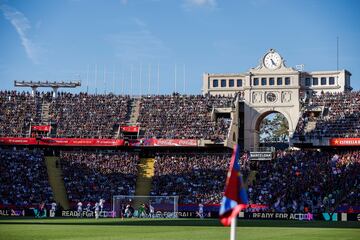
{"type": "Point", "coordinates": [272, 60]}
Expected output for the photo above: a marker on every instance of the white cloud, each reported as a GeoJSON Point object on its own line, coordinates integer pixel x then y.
{"type": "Point", "coordinates": [124, 2]}
{"type": "Point", "coordinates": [190, 4]}
{"type": "Point", "coordinates": [22, 26]}
{"type": "Point", "coordinates": [138, 46]}
{"type": "Point", "coordinates": [139, 22]}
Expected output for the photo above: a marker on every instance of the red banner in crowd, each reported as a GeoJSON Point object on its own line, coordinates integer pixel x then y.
{"type": "Point", "coordinates": [78, 142]}
{"type": "Point", "coordinates": [132, 129]}
{"type": "Point", "coordinates": [43, 128]}
{"type": "Point", "coordinates": [345, 142]}
{"type": "Point", "coordinates": [81, 142]}
{"type": "Point", "coordinates": [153, 142]}
{"type": "Point", "coordinates": [17, 141]}
{"type": "Point", "coordinates": [175, 142]}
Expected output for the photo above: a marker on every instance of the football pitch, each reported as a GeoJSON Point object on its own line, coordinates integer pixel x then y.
{"type": "Point", "coordinates": [109, 229]}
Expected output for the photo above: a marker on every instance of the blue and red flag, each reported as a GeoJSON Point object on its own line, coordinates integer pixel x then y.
{"type": "Point", "coordinates": [235, 197]}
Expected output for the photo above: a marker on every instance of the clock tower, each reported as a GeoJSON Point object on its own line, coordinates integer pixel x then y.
{"type": "Point", "coordinates": [271, 87]}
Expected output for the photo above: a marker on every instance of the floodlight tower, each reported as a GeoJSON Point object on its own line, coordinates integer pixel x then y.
{"type": "Point", "coordinates": [54, 85]}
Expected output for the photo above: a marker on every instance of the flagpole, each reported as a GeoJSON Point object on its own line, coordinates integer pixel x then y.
{"type": "Point", "coordinates": [104, 79]}
{"type": "Point", "coordinates": [175, 78]}
{"type": "Point", "coordinates": [140, 79]}
{"type": "Point", "coordinates": [87, 78]}
{"type": "Point", "coordinates": [233, 228]}
{"type": "Point", "coordinates": [96, 79]}
{"type": "Point", "coordinates": [158, 78]}
{"type": "Point", "coordinates": [113, 88]}
{"type": "Point", "coordinates": [131, 80]}
{"type": "Point", "coordinates": [149, 79]}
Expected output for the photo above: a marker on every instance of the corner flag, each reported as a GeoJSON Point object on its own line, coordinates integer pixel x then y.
{"type": "Point", "coordinates": [235, 193]}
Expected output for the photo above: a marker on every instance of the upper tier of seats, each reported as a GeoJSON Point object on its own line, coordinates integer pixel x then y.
{"type": "Point", "coordinates": [88, 116]}
{"type": "Point", "coordinates": [340, 116]}
{"type": "Point", "coordinates": [99, 116]}
{"type": "Point", "coordinates": [183, 116]}
{"type": "Point", "coordinates": [17, 111]}
{"type": "Point", "coordinates": [164, 116]}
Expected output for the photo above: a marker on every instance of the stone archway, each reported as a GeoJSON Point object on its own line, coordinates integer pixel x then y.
{"type": "Point", "coordinates": [259, 117]}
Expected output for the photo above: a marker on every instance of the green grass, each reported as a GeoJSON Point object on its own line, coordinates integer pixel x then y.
{"type": "Point", "coordinates": [77, 229]}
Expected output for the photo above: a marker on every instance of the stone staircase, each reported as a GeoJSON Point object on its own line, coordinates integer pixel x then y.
{"type": "Point", "coordinates": [146, 171]}
{"type": "Point", "coordinates": [311, 125]}
{"type": "Point", "coordinates": [56, 181]}
{"type": "Point", "coordinates": [135, 110]}
{"type": "Point", "coordinates": [251, 178]}
{"type": "Point", "coordinates": [45, 117]}
{"type": "Point", "coordinates": [133, 116]}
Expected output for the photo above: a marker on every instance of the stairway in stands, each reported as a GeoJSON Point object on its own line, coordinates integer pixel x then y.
{"type": "Point", "coordinates": [135, 110]}
{"type": "Point", "coordinates": [56, 180]}
{"type": "Point", "coordinates": [133, 115]}
{"type": "Point", "coordinates": [45, 118]}
{"type": "Point", "coordinates": [310, 126]}
{"type": "Point", "coordinates": [146, 171]}
{"type": "Point", "coordinates": [251, 178]}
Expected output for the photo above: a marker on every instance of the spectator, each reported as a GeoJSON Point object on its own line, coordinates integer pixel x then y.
{"type": "Point", "coordinates": [182, 116]}
{"type": "Point", "coordinates": [299, 180]}
{"type": "Point", "coordinates": [340, 116]}
{"type": "Point", "coordinates": [88, 116]}
{"type": "Point", "coordinates": [195, 177]}
{"type": "Point", "coordinates": [23, 178]}
{"type": "Point", "coordinates": [89, 176]}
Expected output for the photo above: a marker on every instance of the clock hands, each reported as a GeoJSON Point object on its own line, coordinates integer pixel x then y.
{"type": "Point", "coordinates": [272, 61]}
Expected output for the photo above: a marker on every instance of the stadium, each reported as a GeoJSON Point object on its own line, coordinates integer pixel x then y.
{"type": "Point", "coordinates": [77, 164]}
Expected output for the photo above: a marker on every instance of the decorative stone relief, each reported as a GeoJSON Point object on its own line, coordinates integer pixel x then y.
{"type": "Point", "coordinates": [286, 96]}
{"type": "Point", "coordinates": [257, 97]}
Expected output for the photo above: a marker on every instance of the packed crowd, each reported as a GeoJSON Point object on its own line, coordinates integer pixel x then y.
{"type": "Point", "coordinates": [164, 116]}
{"type": "Point", "coordinates": [340, 116]}
{"type": "Point", "coordinates": [194, 177]}
{"type": "Point", "coordinates": [183, 116]}
{"type": "Point", "coordinates": [307, 181]}
{"type": "Point", "coordinates": [296, 181]}
{"type": "Point", "coordinates": [349, 164]}
{"type": "Point", "coordinates": [23, 178]}
{"type": "Point", "coordinates": [99, 116]}
{"type": "Point", "coordinates": [88, 116]}
{"type": "Point", "coordinates": [89, 176]}
{"type": "Point", "coordinates": [16, 113]}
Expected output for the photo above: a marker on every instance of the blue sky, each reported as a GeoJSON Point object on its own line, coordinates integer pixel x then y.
{"type": "Point", "coordinates": [65, 40]}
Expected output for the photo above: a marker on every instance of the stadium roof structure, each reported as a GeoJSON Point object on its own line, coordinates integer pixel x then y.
{"type": "Point", "coordinates": [54, 85]}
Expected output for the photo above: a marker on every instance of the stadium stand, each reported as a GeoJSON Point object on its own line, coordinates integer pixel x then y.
{"type": "Point", "coordinates": [88, 116]}
{"type": "Point", "coordinates": [307, 181]}
{"type": "Point", "coordinates": [295, 181]}
{"type": "Point", "coordinates": [99, 116]}
{"type": "Point", "coordinates": [183, 116]}
{"type": "Point", "coordinates": [340, 117]}
{"type": "Point", "coordinates": [89, 176]}
{"type": "Point", "coordinates": [23, 178]}
{"type": "Point", "coordinates": [16, 113]}
{"type": "Point", "coordinates": [194, 177]}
